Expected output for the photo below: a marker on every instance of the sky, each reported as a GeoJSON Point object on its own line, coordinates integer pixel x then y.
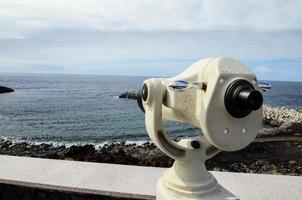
{"type": "Point", "coordinates": [150, 37]}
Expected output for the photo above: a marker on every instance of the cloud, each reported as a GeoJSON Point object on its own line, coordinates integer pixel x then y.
{"type": "Point", "coordinates": [143, 37]}
{"type": "Point", "coordinates": [262, 70]}
{"type": "Point", "coordinates": [20, 18]}
{"type": "Point", "coordinates": [147, 53]}
{"type": "Point", "coordinates": [277, 69]}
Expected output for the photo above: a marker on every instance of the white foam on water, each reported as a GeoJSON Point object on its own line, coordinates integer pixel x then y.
{"type": "Point", "coordinates": [68, 144]}
{"type": "Point", "coordinates": [3, 117]}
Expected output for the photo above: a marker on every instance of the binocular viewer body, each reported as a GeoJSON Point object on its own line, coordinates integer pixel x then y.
{"type": "Point", "coordinates": [200, 96]}
{"type": "Point", "coordinates": [218, 95]}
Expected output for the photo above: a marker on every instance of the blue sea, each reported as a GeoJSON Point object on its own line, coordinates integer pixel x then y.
{"type": "Point", "coordinates": [79, 109]}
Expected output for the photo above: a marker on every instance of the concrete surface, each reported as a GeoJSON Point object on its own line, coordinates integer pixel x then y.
{"type": "Point", "coordinates": [132, 181]}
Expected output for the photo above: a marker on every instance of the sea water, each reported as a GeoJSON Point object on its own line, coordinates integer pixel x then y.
{"type": "Point", "coordinates": [77, 109]}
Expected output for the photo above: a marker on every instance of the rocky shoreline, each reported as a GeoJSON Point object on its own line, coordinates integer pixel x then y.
{"type": "Point", "coordinates": [264, 157]}
{"type": "Point", "coordinates": [270, 157]}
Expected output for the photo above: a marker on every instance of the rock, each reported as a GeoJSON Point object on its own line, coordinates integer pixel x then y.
{"type": "Point", "coordinates": [128, 95]}
{"type": "Point", "coordinates": [292, 162]}
{"type": "Point", "coordinates": [5, 90]}
{"type": "Point", "coordinates": [278, 116]}
{"type": "Point", "coordinates": [78, 152]}
{"type": "Point", "coordinates": [271, 157]}
{"type": "Point", "coordinates": [282, 121]}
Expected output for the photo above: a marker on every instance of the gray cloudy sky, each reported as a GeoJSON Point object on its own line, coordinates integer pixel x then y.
{"type": "Point", "coordinates": [144, 37]}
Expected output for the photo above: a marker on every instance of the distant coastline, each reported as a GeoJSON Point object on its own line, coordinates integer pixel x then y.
{"type": "Point", "coordinates": [5, 90]}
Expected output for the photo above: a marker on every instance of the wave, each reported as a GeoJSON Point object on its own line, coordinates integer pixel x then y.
{"type": "Point", "coordinates": [67, 144]}
{"type": "Point", "coordinates": [97, 145]}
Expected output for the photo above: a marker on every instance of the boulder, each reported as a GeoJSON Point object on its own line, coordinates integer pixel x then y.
{"type": "Point", "coordinates": [128, 95]}
{"type": "Point", "coordinates": [281, 120]}
{"type": "Point", "coordinates": [280, 116]}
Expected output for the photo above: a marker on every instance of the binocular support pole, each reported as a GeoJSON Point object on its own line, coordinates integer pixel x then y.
{"type": "Point", "coordinates": [188, 177]}
{"type": "Point", "coordinates": [191, 180]}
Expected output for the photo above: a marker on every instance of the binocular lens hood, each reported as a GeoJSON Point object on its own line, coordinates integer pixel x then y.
{"type": "Point", "coordinates": [142, 94]}
{"type": "Point", "coordinates": [241, 98]}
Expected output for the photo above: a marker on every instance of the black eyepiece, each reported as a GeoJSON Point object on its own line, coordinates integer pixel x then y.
{"type": "Point", "coordinates": [250, 99]}
{"type": "Point", "coordinates": [142, 95]}
{"type": "Point", "coordinates": [241, 99]}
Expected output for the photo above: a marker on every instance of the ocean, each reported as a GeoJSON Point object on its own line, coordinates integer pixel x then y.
{"type": "Point", "coordinates": [80, 109]}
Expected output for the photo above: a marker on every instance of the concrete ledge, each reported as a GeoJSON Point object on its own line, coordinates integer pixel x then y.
{"type": "Point", "coordinates": [132, 181]}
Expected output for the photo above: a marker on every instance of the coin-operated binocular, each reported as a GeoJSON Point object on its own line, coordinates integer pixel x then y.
{"type": "Point", "coordinates": [220, 96]}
